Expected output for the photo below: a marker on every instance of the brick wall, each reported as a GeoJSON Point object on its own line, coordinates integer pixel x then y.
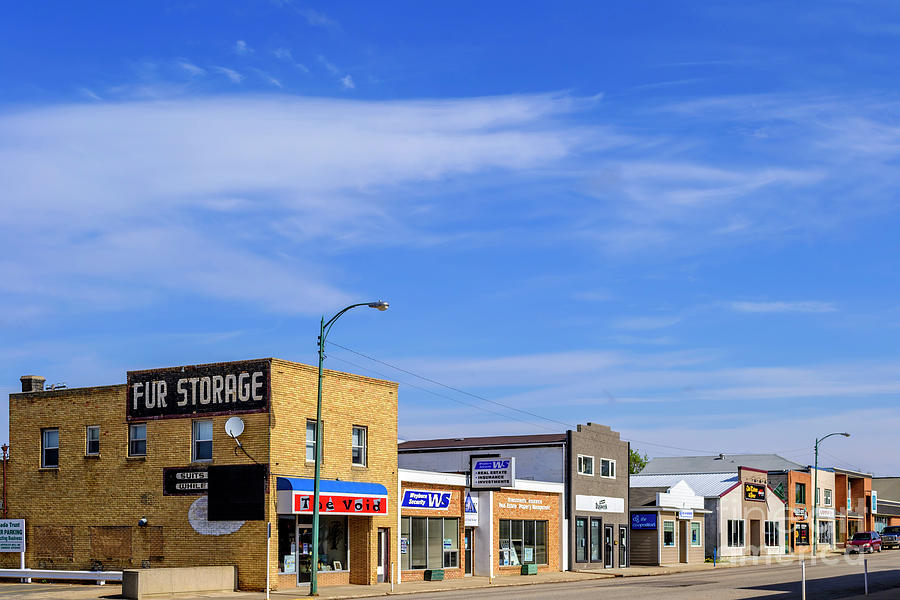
{"type": "Point", "coordinates": [505, 508]}
{"type": "Point", "coordinates": [456, 510]}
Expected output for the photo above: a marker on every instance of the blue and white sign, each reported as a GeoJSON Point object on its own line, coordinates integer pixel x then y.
{"type": "Point", "coordinates": [471, 509]}
{"type": "Point", "coordinates": [874, 502]}
{"type": "Point", "coordinates": [427, 499]}
{"type": "Point", "coordinates": [493, 473]}
{"type": "Point", "coordinates": [686, 513]}
{"type": "Point", "coordinates": [643, 520]}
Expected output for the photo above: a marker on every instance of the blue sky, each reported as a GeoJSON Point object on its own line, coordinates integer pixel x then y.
{"type": "Point", "coordinates": [675, 218]}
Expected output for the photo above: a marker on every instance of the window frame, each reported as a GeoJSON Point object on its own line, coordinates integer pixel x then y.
{"type": "Point", "coordinates": [364, 447]}
{"type": "Point", "coordinates": [539, 529]}
{"type": "Point", "coordinates": [771, 534]}
{"type": "Point", "coordinates": [582, 462]}
{"type": "Point", "coordinates": [829, 496]}
{"type": "Point", "coordinates": [132, 440]}
{"type": "Point", "coordinates": [45, 448]}
{"type": "Point", "coordinates": [449, 557]}
{"type": "Point", "coordinates": [195, 440]}
{"type": "Point", "coordinates": [317, 431]}
{"type": "Point", "coordinates": [674, 535]}
{"type": "Point", "coordinates": [611, 466]}
{"type": "Point", "coordinates": [799, 493]}
{"type": "Point", "coordinates": [87, 440]}
{"type": "Point", "coordinates": [699, 534]}
{"type": "Point", "coordinates": [735, 533]}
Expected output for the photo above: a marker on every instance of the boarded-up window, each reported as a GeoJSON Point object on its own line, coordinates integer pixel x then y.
{"type": "Point", "coordinates": [108, 543]}
{"type": "Point", "coordinates": [156, 543]}
{"type": "Point", "coordinates": [51, 541]}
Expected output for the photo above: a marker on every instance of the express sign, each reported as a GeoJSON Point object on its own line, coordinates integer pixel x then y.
{"type": "Point", "coordinates": [753, 491]}
{"type": "Point", "coordinates": [199, 389]}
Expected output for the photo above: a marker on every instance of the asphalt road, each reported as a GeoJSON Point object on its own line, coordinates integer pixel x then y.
{"type": "Point", "coordinates": [839, 578]}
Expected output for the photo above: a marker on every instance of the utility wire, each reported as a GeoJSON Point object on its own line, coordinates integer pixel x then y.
{"type": "Point", "coordinates": [495, 402]}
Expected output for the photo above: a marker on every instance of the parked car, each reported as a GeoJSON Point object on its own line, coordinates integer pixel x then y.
{"type": "Point", "coordinates": [890, 537]}
{"type": "Point", "coordinates": [866, 541]}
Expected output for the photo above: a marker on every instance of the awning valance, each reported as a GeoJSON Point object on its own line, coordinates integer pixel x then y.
{"type": "Point", "coordinates": [336, 497]}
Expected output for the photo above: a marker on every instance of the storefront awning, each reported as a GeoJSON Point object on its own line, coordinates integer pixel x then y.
{"type": "Point", "coordinates": [295, 496]}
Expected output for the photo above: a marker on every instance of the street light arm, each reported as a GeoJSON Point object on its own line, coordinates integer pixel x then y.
{"type": "Point", "coordinates": [820, 440]}
{"type": "Point", "coordinates": [327, 326]}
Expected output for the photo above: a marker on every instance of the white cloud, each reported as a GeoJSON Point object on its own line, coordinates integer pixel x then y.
{"type": "Point", "coordinates": [231, 74]}
{"type": "Point", "coordinates": [191, 69]}
{"type": "Point", "coordinates": [283, 54]}
{"type": "Point", "coordinates": [89, 93]}
{"type": "Point", "coordinates": [329, 66]}
{"type": "Point", "coordinates": [646, 323]}
{"type": "Point", "coordinates": [784, 307]}
{"type": "Point", "coordinates": [123, 188]}
{"type": "Point", "coordinates": [347, 82]}
{"type": "Point", "coordinates": [241, 47]}
{"type": "Point", "coordinates": [268, 78]}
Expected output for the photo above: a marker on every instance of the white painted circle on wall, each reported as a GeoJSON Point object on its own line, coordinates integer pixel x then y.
{"type": "Point", "coordinates": [197, 517]}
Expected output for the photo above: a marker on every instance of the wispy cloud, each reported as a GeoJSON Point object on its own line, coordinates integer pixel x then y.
{"type": "Point", "coordinates": [286, 55]}
{"type": "Point", "coordinates": [231, 74]}
{"type": "Point", "coordinates": [347, 82]}
{"type": "Point", "coordinates": [783, 307]}
{"type": "Point", "coordinates": [241, 47]}
{"type": "Point", "coordinates": [268, 78]}
{"type": "Point", "coordinates": [646, 323]}
{"type": "Point", "coordinates": [190, 68]}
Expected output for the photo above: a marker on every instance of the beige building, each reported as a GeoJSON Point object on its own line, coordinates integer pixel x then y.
{"type": "Point", "coordinates": [667, 525]}
{"type": "Point", "coordinates": [143, 474]}
{"type": "Point", "coordinates": [825, 511]}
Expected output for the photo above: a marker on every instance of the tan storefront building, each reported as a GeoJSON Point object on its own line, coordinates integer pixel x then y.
{"type": "Point", "coordinates": [667, 525]}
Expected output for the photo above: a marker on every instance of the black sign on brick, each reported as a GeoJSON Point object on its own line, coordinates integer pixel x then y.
{"type": "Point", "coordinates": [237, 492]}
{"type": "Point", "coordinates": [185, 481]}
{"type": "Point", "coordinates": [214, 389]}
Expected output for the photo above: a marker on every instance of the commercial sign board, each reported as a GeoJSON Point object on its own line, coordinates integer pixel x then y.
{"type": "Point", "coordinates": [824, 513]}
{"type": "Point", "coordinates": [643, 520]}
{"type": "Point", "coordinates": [220, 388]}
{"type": "Point", "coordinates": [599, 504]}
{"type": "Point", "coordinates": [874, 502]}
{"type": "Point", "coordinates": [493, 473]}
{"type": "Point", "coordinates": [754, 491]}
{"type": "Point", "coordinates": [800, 512]}
{"type": "Point", "coordinates": [471, 510]}
{"type": "Point", "coordinates": [185, 481]}
{"type": "Point", "coordinates": [686, 513]}
{"type": "Point", "coordinates": [12, 535]}
{"type": "Point", "coordinates": [427, 499]}
{"type": "Point", "coordinates": [340, 504]}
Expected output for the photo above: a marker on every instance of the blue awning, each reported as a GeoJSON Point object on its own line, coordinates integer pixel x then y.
{"type": "Point", "coordinates": [331, 486]}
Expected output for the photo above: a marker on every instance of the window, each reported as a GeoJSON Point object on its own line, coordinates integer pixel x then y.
{"type": "Point", "coordinates": [50, 448]}
{"type": "Point", "coordinates": [359, 445]}
{"type": "Point", "coordinates": [695, 534]}
{"type": "Point", "coordinates": [772, 537]}
{"type": "Point", "coordinates": [137, 440]}
{"type": "Point", "coordinates": [311, 440]}
{"type": "Point", "coordinates": [607, 468]}
{"type": "Point", "coordinates": [596, 553]}
{"type": "Point", "coordinates": [92, 440]}
{"type": "Point", "coordinates": [431, 543]}
{"type": "Point", "coordinates": [818, 498]}
{"type": "Point", "coordinates": [668, 533]}
{"type": "Point", "coordinates": [801, 534]}
{"type": "Point", "coordinates": [287, 544]}
{"type": "Point", "coordinates": [735, 533]}
{"type": "Point", "coordinates": [523, 542]}
{"type": "Point", "coordinates": [203, 440]}
{"type": "Point", "coordinates": [826, 532]}
{"type": "Point", "coordinates": [827, 497]}
{"type": "Point", "coordinates": [580, 539]}
{"type": "Point", "coordinates": [585, 465]}
{"type": "Point", "coordinates": [800, 493]}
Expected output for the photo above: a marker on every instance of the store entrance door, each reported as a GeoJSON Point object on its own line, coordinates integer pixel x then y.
{"type": "Point", "coordinates": [384, 553]}
{"type": "Point", "coordinates": [683, 541]}
{"type": "Point", "coordinates": [609, 555]}
{"type": "Point", "coordinates": [755, 541]}
{"type": "Point", "coordinates": [623, 555]}
{"type": "Point", "coordinates": [304, 552]}
{"type": "Point", "coordinates": [470, 550]}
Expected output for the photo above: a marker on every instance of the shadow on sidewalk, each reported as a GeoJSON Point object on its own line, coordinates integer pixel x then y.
{"type": "Point", "coordinates": [841, 586]}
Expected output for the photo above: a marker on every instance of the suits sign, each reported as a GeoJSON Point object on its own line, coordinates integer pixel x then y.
{"type": "Point", "coordinates": [220, 388]}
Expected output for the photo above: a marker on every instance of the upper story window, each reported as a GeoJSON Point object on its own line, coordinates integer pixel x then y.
{"type": "Point", "coordinates": [360, 445]}
{"type": "Point", "coordinates": [827, 497]}
{"type": "Point", "coordinates": [585, 465]}
{"type": "Point", "coordinates": [202, 437]}
{"type": "Point", "coordinates": [800, 493]}
{"type": "Point", "coordinates": [137, 439]}
{"type": "Point", "coordinates": [310, 440]}
{"type": "Point", "coordinates": [50, 448]}
{"type": "Point", "coordinates": [92, 440]}
{"type": "Point", "coordinates": [607, 468]}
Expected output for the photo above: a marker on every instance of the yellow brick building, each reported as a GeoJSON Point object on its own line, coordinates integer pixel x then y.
{"type": "Point", "coordinates": [116, 476]}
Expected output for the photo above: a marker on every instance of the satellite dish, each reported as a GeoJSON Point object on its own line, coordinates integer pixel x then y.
{"type": "Point", "coordinates": [234, 427]}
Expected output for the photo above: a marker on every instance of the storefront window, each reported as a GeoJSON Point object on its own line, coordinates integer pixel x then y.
{"type": "Point", "coordinates": [287, 545]}
{"type": "Point", "coordinates": [333, 543]}
{"type": "Point", "coordinates": [826, 532]}
{"type": "Point", "coordinates": [695, 534]}
{"type": "Point", "coordinates": [772, 537]}
{"type": "Point", "coordinates": [801, 534]}
{"type": "Point", "coordinates": [429, 543]}
{"type": "Point", "coordinates": [580, 538]}
{"type": "Point", "coordinates": [522, 542]}
{"type": "Point", "coordinates": [668, 533]}
{"type": "Point", "coordinates": [595, 540]}
{"type": "Point", "coordinates": [735, 533]}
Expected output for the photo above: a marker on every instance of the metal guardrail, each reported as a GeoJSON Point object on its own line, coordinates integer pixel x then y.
{"type": "Point", "coordinates": [101, 577]}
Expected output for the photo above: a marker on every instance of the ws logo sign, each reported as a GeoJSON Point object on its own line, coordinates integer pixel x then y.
{"type": "Point", "coordinates": [425, 499]}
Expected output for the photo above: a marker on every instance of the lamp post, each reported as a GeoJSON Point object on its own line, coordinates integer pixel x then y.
{"type": "Point", "coordinates": [324, 328]}
{"type": "Point", "coordinates": [815, 531]}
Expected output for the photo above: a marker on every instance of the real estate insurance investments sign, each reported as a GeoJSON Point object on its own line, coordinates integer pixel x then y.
{"type": "Point", "coordinates": [199, 389]}
{"type": "Point", "coordinates": [12, 535]}
{"type": "Point", "coordinates": [753, 491]}
{"type": "Point", "coordinates": [493, 473]}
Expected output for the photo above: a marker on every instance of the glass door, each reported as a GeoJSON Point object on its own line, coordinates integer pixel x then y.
{"type": "Point", "coordinates": [469, 541]}
{"type": "Point", "coordinates": [596, 552]}
{"type": "Point", "coordinates": [608, 546]}
{"type": "Point", "coordinates": [623, 556]}
{"type": "Point", "coordinates": [304, 552]}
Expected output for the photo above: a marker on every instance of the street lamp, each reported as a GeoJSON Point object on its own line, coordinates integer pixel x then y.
{"type": "Point", "coordinates": [325, 327]}
{"type": "Point", "coordinates": [816, 489]}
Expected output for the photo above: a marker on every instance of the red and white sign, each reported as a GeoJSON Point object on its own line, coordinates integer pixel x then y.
{"type": "Point", "coordinates": [331, 504]}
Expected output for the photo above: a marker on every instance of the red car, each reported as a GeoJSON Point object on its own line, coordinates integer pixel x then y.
{"type": "Point", "coordinates": [867, 541]}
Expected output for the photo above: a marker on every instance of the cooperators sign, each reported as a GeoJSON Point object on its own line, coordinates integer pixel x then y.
{"type": "Point", "coordinates": [219, 388]}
